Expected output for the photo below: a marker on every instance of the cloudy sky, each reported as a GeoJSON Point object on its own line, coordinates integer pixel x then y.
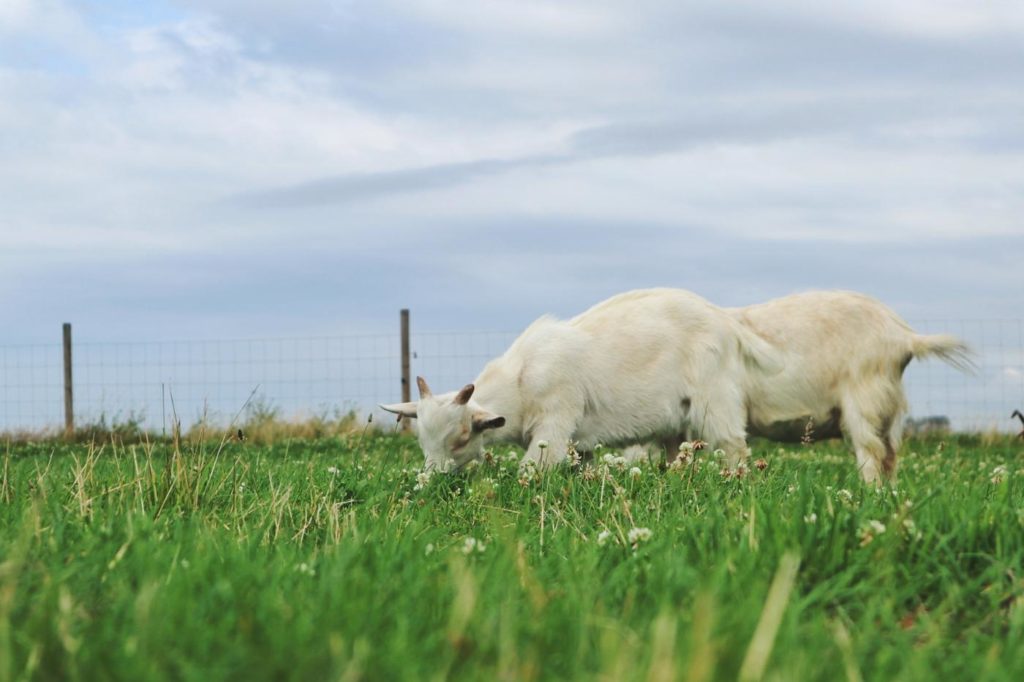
{"type": "Point", "coordinates": [235, 168]}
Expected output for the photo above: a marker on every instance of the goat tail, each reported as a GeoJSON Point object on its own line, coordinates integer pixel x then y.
{"type": "Point", "coordinates": [758, 352]}
{"type": "Point", "coordinates": [947, 348]}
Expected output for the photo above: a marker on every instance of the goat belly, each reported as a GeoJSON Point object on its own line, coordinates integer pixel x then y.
{"type": "Point", "coordinates": [799, 429]}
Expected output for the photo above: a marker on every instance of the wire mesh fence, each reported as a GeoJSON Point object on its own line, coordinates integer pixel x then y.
{"type": "Point", "coordinates": [978, 401]}
{"type": "Point", "coordinates": [152, 383]}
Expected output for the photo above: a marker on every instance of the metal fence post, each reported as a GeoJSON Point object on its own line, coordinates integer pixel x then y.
{"type": "Point", "coordinates": [406, 379]}
{"type": "Point", "coordinates": [69, 409]}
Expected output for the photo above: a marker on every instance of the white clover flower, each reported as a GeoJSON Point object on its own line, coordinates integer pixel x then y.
{"type": "Point", "coordinates": [333, 470]}
{"type": "Point", "coordinates": [429, 549]}
{"type": "Point", "coordinates": [305, 569]}
{"type": "Point", "coordinates": [811, 518]}
{"type": "Point", "coordinates": [602, 537]}
{"type": "Point", "coordinates": [998, 474]}
{"type": "Point", "coordinates": [910, 528]}
{"type": "Point", "coordinates": [845, 496]}
{"type": "Point", "coordinates": [542, 444]}
{"type": "Point", "coordinates": [870, 530]}
{"type": "Point", "coordinates": [635, 472]}
{"type": "Point", "coordinates": [638, 535]}
{"type": "Point", "coordinates": [679, 463]}
{"type": "Point", "coordinates": [422, 479]}
{"type": "Point", "coordinates": [608, 458]}
{"type": "Point", "coordinates": [686, 448]}
{"type": "Point", "coordinates": [527, 472]}
{"type": "Point", "coordinates": [574, 455]}
{"type": "Point", "coordinates": [512, 456]}
{"type": "Point", "coordinates": [472, 545]}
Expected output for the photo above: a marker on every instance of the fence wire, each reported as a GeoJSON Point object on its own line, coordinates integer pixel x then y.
{"type": "Point", "coordinates": [152, 383]}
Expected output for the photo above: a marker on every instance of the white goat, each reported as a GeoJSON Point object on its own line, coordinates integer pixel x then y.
{"type": "Point", "coordinates": [663, 363]}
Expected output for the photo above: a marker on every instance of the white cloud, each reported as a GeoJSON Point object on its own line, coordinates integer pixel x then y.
{"type": "Point", "coordinates": [949, 19]}
{"type": "Point", "coordinates": [16, 14]}
{"type": "Point", "coordinates": [558, 20]}
{"type": "Point", "coordinates": [47, 28]}
{"type": "Point", "coordinates": [843, 125]}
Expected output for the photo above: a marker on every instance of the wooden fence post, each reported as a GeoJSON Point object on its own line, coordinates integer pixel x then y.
{"type": "Point", "coordinates": [69, 407]}
{"type": "Point", "coordinates": [406, 379]}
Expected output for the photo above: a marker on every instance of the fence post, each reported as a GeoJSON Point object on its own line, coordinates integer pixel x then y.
{"type": "Point", "coordinates": [69, 409]}
{"type": "Point", "coordinates": [406, 379]}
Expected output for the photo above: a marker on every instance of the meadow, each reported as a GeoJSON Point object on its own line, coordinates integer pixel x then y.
{"type": "Point", "coordinates": [332, 558]}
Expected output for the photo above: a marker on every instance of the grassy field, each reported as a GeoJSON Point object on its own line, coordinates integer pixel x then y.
{"type": "Point", "coordinates": [330, 559]}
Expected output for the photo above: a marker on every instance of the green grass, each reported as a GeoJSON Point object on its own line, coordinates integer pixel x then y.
{"type": "Point", "coordinates": [320, 559]}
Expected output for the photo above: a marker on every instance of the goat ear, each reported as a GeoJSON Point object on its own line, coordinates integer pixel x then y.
{"type": "Point", "coordinates": [421, 384]}
{"type": "Point", "coordinates": [401, 409]}
{"type": "Point", "coordinates": [465, 394]}
{"type": "Point", "coordinates": [485, 420]}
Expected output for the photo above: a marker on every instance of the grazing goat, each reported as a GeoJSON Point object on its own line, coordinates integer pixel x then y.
{"type": "Point", "coordinates": [664, 363]}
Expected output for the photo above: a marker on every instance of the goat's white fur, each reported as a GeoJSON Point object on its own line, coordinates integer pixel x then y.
{"type": "Point", "coordinates": [665, 363]}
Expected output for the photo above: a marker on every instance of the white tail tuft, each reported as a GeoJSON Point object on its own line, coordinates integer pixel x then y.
{"type": "Point", "coordinates": [758, 352]}
{"type": "Point", "coordinates": [946, 347]}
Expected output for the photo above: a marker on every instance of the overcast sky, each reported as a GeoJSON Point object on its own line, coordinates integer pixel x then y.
{"type": "Point", "coordinates": [236, 168]}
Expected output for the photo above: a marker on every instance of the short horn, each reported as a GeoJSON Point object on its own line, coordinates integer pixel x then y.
{"type": "Point", "coordinates": [463, 396]}
{"type": "Point", "coordinates": [425, 392]}
{"type": "Point", "coordinates": [401, 409]}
